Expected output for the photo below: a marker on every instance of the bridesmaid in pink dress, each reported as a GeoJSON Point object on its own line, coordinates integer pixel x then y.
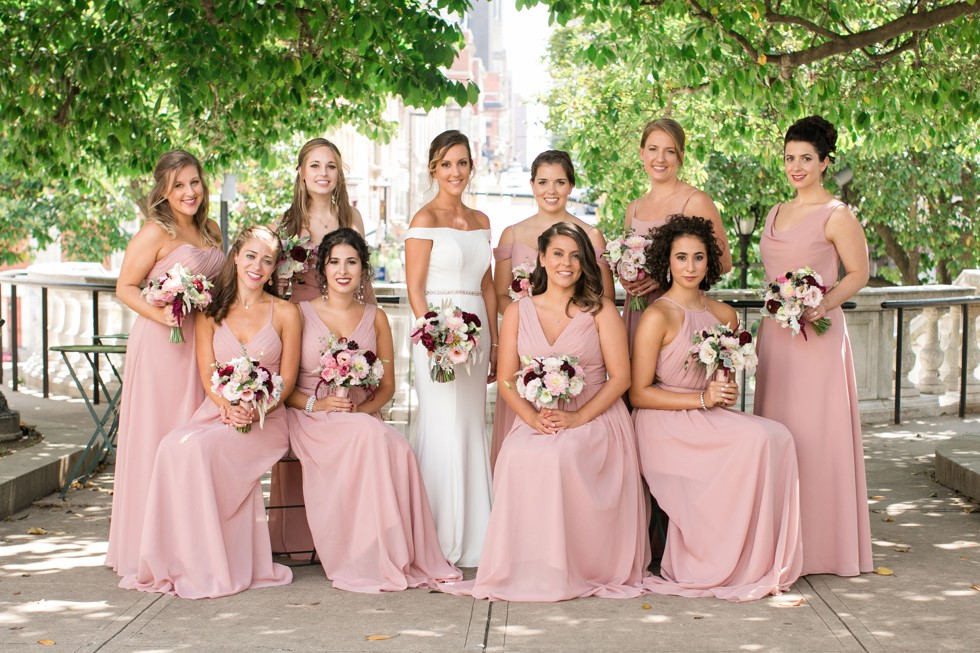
{"type": "Point", "coordinates": [662, 154]}
{"type": "Point", "coordinates": [206, 533]}
{"type": "Point", "coordinates": [365, 500]}
{"type": "Point", "coordinates": [552, 180]}
{"type": "Point", "coordinates": [568, 516]}
{"type": "Point", "coordinates": [320, 205]}
{"type": "Point", "coordinates": [727, 480]}
{"type": "Point", "coordinates": [177, 230]}
{"type": "Point", "coordinates": [817, 230]}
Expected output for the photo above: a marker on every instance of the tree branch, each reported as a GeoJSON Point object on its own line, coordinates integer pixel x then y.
{"type": "Point", "coordinates": [71, 90]}
{"type": "Point", "coordinates": [701, 12]}
{"type": "Point", "coordinates": [784, 19]}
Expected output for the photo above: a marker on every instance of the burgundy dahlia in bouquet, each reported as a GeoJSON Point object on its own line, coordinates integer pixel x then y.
{"type": "Point", "coordinates": [451, 336]}
{"type": "Point", "coordinates": [627, 257]}
{"type": "Point", "coordinates": [180, 290]}
{"type": "Point", "coordinates": [521, 285]}
{"type": "Point", "coordinates": [344, 365]}
{"type": "Point", "coordinates": [545, 381]}
{"type": "Point", "coordinates": [790, 295]}
{"type": "Point", "coordinates": [242, 380]}
{"type": "Point", "coordinates": [722, 348]}
{"type": "Point", "coordinates": [298, 255]}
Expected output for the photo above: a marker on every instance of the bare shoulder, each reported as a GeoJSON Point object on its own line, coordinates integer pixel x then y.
{"type": "Point", "coordinates": [357, 220]}
{"type": "Point", "coordinates": [380, 318]}
{"type": "Point", "coordinates": [425, 218]}
{"type": "Point", "coordinates": [842, 215]}
{"type": "Point", "coordinates": [481, 219]}
{"type": "Point", "coordinates": [723, 312]}
{"type": "Point", "coordinates": [701, 204]}
{"type": "Point", "coordinates": [609, 313]}
{"type": "Point", "coordinates": [286, 310]}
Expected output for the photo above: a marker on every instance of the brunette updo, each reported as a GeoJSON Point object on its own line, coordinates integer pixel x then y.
{"type": "Point", "coordinates": [554, 157]}
{"type": "Point", "coordinates": [344, 236]}
{"type": "Point", "coordinates": [816, 131]}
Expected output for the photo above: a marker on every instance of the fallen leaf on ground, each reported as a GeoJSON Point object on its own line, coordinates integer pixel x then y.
{"type": "Point", "coordinates": [903, 549]}
{"type": "Point", "coordinates": [37, 530]}
{"type": "Point", "coordinates": [969, 508]}
{"type": "Point", "coordinates": [877, 497]}
{"type": "Point", "coordinates": [379, 638]}
{"type": "Point", "coordinates": [975, 587]}
{"type": "Point", "coordinates": [645, 606]}
{"type": "Point", "coordinates": [791, 604]}
{"type": "Point", "coordinates": [884, 571]}
{"type": "Point", "coordinates": [46, 642]}
{"type": "Point", "coordinates": [699, 617]}
{"type": "Point", "coordinates": [965, 557]}
{"type": "Point", "coordinates": [888, 519]}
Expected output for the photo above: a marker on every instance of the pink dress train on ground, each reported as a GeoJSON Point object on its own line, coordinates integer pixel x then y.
{"type": "Point", "coordinates": [365, 500]}
{"type": "Point", "coordinates": [568, 516]}
{"type": "Point", "coordinates": [728, 482]}
{"type": "Point", "coordinates": [207, 535]}
{"type": "Point", "coordinates": [161, 390]}
{"type": "Point", "coordinates": [809, 385]}
{"type": "Point", "coordinates": [503, 416]}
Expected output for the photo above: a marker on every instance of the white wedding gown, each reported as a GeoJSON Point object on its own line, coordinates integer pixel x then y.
{"type": "Point", "coordinates": [449, 426]}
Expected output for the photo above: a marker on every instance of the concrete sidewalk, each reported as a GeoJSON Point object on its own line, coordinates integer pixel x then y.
{"type": "Point", "coordinates": [54, 588]}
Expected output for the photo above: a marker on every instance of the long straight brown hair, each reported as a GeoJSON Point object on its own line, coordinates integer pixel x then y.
{"type": "Point", "coordinates": [226, 283]}
{"type": "Point", "coordinates": [164, 178]}
{"type": "Point", "coordinates": [297, 216]}
{"type": "Point", "coordinates": [588, 288]}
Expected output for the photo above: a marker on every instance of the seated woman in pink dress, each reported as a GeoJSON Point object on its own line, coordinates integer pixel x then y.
{"type": "Point", "coordinates": [568, 516]}
{"type": "Point", "coordinates": [727, 480]}
{"type": "Point", "coordinates": [365, 501]}
{"type": "Point", "coordinates": [205, 533]}
{"type": "Point", "coordinates": [552, 181]}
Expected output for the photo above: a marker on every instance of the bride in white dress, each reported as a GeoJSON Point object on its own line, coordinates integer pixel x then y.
{"type": "Point", "coordinates": [447, 259]}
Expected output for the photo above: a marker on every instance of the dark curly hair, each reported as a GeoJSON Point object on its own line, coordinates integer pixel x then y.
{"type": "Point", "coordinates": [226, 282]}
{"type": "Point", "coordinates": [658, 253]}
{"type": "Point", "coordinates": [816, 131]}
{"type": "Point", "coordinates": [588, 288]}
{"type": "Point", "coordinates": [344, 236]}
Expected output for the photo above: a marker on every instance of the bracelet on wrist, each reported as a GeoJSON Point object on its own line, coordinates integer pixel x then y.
{"type": "Point", "coordinates": [493, 344]}
{"type": "Point", "coordinates": [703, 405]}
{"type": "Point", "coordinates": [309, 403]}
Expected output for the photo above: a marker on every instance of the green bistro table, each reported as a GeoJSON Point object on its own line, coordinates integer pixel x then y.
{"type": "Point", "coordinates": [103, 440]}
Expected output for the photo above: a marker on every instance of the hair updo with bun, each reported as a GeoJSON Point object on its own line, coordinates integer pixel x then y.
{"type": "Point", "coordinates": [816, 131]}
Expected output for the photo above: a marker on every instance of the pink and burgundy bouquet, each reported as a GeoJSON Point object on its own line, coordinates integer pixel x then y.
{"type": "Point", "coordinates": [451, 336]}
{"type": "Point", "coordinates": [180, 290]}
{"type": "Point", "coordinates": [298, 255]}
{"type": "Point", "coordinates": [545, 381]}
{"type": "Point", "coordinates": [242, 380]}
{"type": "Point", "coordinates": [628, 259]}
{"type": "Point", "coordinates": [722, 348]}
{"type": "Point", "coordinates": [343, 365]}
{"type": "Point", "coordinates": [792, 293]}
{"type": "Point", "coordinates": [521, 285]}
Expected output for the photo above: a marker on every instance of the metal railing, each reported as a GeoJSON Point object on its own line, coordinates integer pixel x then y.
{"type": "Point", "coordinates": [945, 302]}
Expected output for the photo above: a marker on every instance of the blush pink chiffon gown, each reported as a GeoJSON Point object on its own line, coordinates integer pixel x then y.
{"type": "Point", "coordinates": [809, 385]}
{"type": "Point", "coordinates": [727, 480]}
{"type": "Point", "coordinates": [161, 390]}
{"type": "Point", "coordinates": [206, 534]}
{"type": "Point", "coordinates": [365, 500]}
{"type": "Point", "coordinates": [503, 416]}
{"type": "Point", "coordinates": [568, 516]}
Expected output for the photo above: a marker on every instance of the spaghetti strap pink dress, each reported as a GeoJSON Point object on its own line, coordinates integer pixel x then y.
{"type": "Point", "coordinates": [365, 500]}
{"type": "Point", "coordinates": [503, 416]}
{"type": "Point", "coordinates": [161, 390]}
{"type": "Point", "coordinates": [728, 482]}
{"type": "Point", "coordinates": [568, 516]}
{"type": "Point", "coordinates": [809, 386]}
{"type": "Point", "coordinates": [206, 535]}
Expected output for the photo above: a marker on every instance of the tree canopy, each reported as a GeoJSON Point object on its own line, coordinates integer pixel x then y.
{"type": "Point", "coordinates": [93, 91]}
{"type": "Point", "coordinates": [899, 79]}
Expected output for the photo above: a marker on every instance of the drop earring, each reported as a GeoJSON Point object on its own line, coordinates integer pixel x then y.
{"type": "Point", "coordinates": [669, 280]}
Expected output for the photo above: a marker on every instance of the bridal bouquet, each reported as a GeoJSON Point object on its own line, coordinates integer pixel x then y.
{"type": "Point", "coordinates": [628, 258]}
{"type": "Point", "coordinates": [724, 348]}
{"type": "Point", "coordinates": [242, 380]}
{"type": "Point", "coordinates": [298, 255]}
{"type": "Point", "coordinates": [343, 365]}
{"type": "Point", "coordinates": [792, 293]}
{"type": "Point", "coordinates": [180, 290]}
{"type": "Point", "coordinates": [521, 285]}
{"type": "Point", "coordinates": [546, 381]}
{"type": "Point", "coordinates": [450, 335]}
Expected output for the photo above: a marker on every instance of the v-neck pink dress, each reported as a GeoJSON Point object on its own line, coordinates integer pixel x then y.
{"type": "Point", "coordinates": [161, 390]}
{"type": "Point", "coordinates": [809, 385]}
{"type": "Point", "coordinates": [728, 482]}
{"type": "Point", "coordinates": [365, 501]}
{"type": "Point", "coordinates": [206, 534]}
{"type": "Point", "coordinates": [568, 517]}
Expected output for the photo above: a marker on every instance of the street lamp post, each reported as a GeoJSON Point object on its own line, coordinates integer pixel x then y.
{"type": "Point", "coordinates": [228, 188]}
{"type": "Point", "coordinates": [843, 177]}
{"type": "Point", "coordinates": [746, 227]}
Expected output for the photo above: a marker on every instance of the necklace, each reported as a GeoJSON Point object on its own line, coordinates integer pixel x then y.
{"type": "Point", "coordinates": [244, 304]}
